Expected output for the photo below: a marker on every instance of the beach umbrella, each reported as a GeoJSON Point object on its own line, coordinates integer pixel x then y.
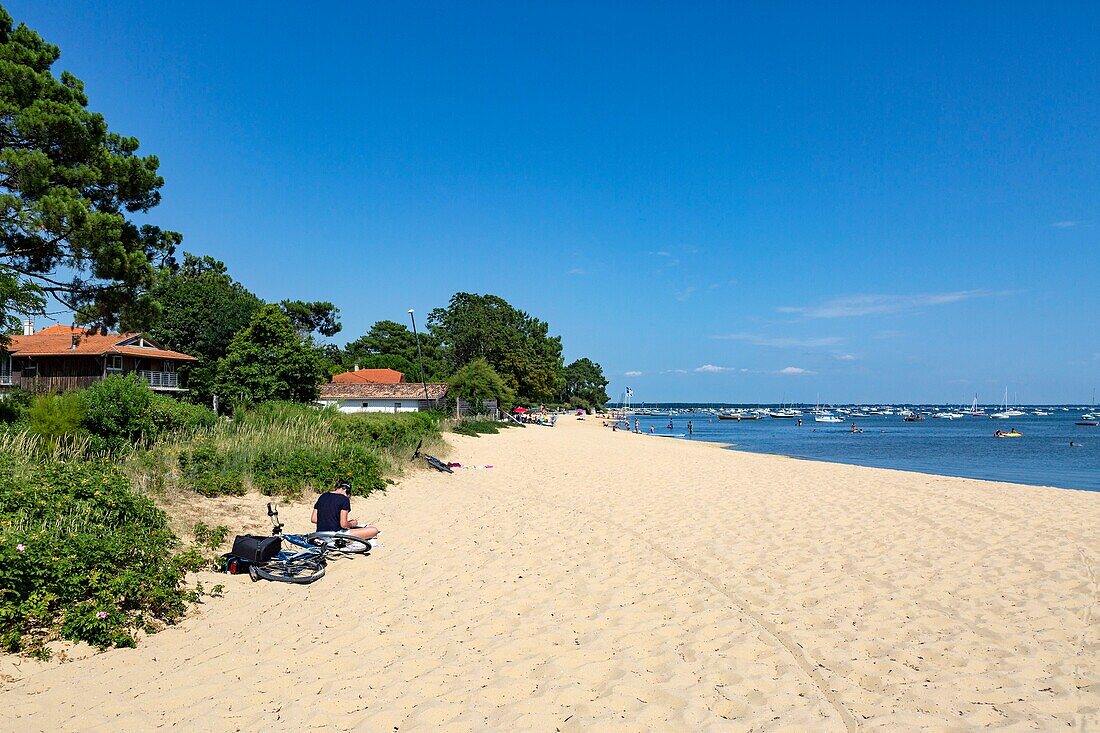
{"type": "Point", "coordinates": [520, 409]}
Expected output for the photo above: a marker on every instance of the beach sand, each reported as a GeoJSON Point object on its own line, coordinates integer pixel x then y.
{"type": "Point", "coordinates": [606, 581]}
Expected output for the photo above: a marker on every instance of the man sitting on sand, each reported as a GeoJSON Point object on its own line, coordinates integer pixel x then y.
{"type": "Point", "coordinates": [330, 513]}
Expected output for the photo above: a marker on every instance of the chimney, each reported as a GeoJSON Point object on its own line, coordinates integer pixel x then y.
{"type": "Point", "coordinates": [356, 368]}
{"type": "Point", "coordinates": [28, 327]}
{"type": "Point", "coordinates": [76, 340]}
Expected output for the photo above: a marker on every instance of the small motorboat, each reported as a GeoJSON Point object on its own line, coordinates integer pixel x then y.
{"type": "Point", "coordinates": [1087, 423]}
{"type": "Point", "coordinates": [1014, 433]}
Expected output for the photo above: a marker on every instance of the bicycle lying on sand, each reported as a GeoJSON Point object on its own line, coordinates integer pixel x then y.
{"type": "Point", "coordinates": [306, 565]}
{"type": "Point", "coordinates": [431, 460]}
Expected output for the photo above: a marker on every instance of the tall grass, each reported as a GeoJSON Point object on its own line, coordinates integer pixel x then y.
{"type": "Point", "coordinates": [44, 447]}
{"type": "Point", "coordinates": [285, 448]}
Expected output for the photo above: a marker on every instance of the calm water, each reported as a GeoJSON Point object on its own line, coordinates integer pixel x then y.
{"type": "Point", "coordinates": [962, 447]}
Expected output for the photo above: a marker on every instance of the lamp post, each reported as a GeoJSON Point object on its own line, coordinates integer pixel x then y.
{"type": "Point", "coordinates": [419, 357]}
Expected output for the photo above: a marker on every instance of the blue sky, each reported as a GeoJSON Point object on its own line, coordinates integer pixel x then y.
{"type": "Point", "coordinates": [757, 203]}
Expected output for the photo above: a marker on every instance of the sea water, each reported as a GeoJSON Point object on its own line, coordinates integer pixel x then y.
{"type": "Point", "coordinates": [960, 447]}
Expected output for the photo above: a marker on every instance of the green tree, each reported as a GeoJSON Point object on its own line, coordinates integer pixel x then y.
{"type": "Point", "coordinates": [269, 360]}
{"type": "Point", "coordinates": [517, 345]}
{"type": "Point", "coordinates": [202, 307]}
{"type": "Point", "coordinates": [585, 384]}
{"type": "Point", "coordinates": [392, 339]}
{"type": "Point", "coordinates": [67, 188]}
{"type": "Point", "coordinates": [478, 381]}
{"type": "Point", "coordinates": [389, 361]}
{"type": "Point", "coordinates": [313, 317]}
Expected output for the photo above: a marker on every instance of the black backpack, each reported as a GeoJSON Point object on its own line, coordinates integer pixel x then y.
{"type": "Point", "coordinates": [255, 548]}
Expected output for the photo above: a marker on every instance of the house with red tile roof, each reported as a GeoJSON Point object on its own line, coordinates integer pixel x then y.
{"type": "Point", "coordinates": [369, 376]}
{"type": "Point", "coordinates": [60, 357]}
{"type": "Point", "coordinates": [376, 397]}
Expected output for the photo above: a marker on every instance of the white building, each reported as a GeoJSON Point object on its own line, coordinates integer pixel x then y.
{"type": "Point", "coordinates": [374, 397]}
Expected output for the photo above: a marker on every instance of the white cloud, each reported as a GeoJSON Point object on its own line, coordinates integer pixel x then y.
{"type": "Point", "coordinates": [632, 374]}
{"type": "Point", "coordinates": [578, 271]}
{"type": "Point", "coordinates": [1065, 224]}
{"type": "Point", "coordinates": [685, 293]}
{"type": "Point", "coordinates": [846, 357]}
{"type": "Point", "coordinates": [712, 369]}
{"type": "Point", "coordinates": [661, 253]}
{"type": "Point", "coordinates": [781, 343]}
{"type": "Point", "coordinates": [794, 370]}
{"type": "Point", "coordinates": [888, 334]}
{"type": "Point", "coordinates": [866, 305]}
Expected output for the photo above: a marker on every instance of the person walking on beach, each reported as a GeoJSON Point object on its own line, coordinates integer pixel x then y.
{"type": "Point", "coordinates": [636, 429]}
{"type": "Point", "coordinates": [331, 513]}
{"type": "Point", "coordinates": [691, 428]}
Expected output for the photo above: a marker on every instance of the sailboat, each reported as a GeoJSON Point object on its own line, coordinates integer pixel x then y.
{"type": "Point", "coordinates": [974, 410]}
{"type": "Point", "coordinates": [1006, 413]}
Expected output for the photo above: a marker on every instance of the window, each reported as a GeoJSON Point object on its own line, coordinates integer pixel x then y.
{"type": "Point", "coordinates": [366, 404]}
{"type": "Point", "coordinates": [396, 405]}
{"type": "Point", "coordinates": [30, 369]}
{"type": "Point", "coordinates": [114, 363]}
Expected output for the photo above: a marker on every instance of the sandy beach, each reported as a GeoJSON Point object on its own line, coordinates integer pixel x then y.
{"type": "Point", "coordinates": [606, 581]}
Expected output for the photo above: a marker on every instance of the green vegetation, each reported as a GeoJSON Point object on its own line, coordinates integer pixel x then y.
{"type": "Point", "coordinates": [202, 308]}
{"type": "Point", "coordinates": [585, 385]}
{"type": "Point", "coordinates": [476, 428]}
{"type": "Point", "coordinates": [391, 345]}
{"type": "Point", "coordinates": [286, 448]}
{"type": "Point", "coordinates": [67, 185]}
{"type": "Point", "coordinates": [84, 557]}
{"type": "Point", "coordinates": [517, 345]}
{"type": "Point", "coordinates": [477, 382]}
{"type": "Point", "coordinates": [112, 416]}
{"type": "Point", "coordinates": [269, 360]}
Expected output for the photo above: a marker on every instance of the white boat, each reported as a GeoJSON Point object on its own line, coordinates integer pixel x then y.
{"type": "Point", "coordinates": [974, 410]}
{"type": "Point", "coordinates": [948, 415]}
{"type": "Point", "coordinates": [827, 418]}
{"type": "Point", "coordinates": [1006, 413]}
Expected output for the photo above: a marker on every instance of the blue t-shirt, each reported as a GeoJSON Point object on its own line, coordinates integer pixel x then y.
{"type": "Point", "coordinates": [328, 508]}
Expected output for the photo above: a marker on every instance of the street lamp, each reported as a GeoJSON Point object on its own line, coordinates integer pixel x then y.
{"type": "Point", "coordinates": [419, 357]}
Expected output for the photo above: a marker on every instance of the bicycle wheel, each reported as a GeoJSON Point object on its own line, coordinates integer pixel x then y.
{"type": "Point", "coordinates": [301, 571]}
{"type": "Point", "coordinates": [338, 541]}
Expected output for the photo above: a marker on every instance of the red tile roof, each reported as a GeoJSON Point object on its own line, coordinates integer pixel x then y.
{"type": "Point", "coordinates": [363, 391]}
{"type": "Point", "coordinates": [376, 376]}
{"type": "Point", "coordinates": [58, 341]}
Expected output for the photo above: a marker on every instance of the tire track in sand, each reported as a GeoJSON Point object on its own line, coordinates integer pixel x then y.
{"type": "Point", "coordinates": [766, 628]}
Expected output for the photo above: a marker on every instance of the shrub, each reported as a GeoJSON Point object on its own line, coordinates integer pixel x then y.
{"type": "Point", "coordinates": [287, 448]}
{"type": "Point", "coordinates": [209, 537]}
{"type": "Point", "coordinates": [14, 405]}
{"type": "Point", "coordinates": [116, 410]}
{"type": "Point", "coordinates": [83, 555]}
{"type": "Point", "coordinates": [56, 416]}
{"type": "Point", "coordinates": [170, 415]}
{"type": "Point", "coordinates": [121, 411]}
